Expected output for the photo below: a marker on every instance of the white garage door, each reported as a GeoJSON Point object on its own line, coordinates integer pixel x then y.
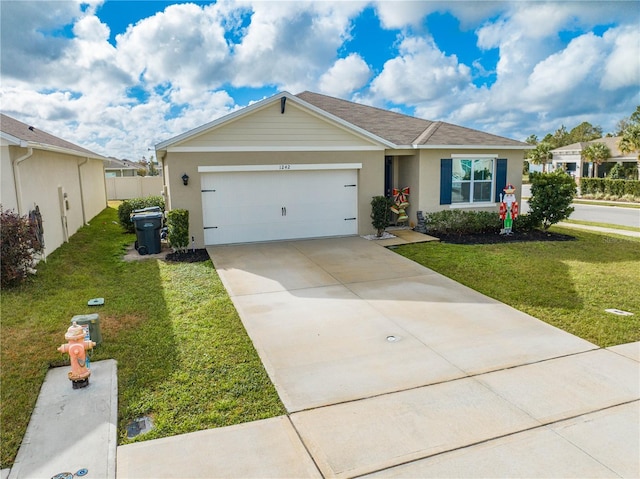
{"type": "Point", "coordinates": [251, 206]}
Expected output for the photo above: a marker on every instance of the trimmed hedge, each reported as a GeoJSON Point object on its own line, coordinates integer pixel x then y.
{"type": "Point", "coordinates": [607, 186]}
{"type": "Point", "coordinates": [127, 206]}
{"type": "Point", "coordinates": [461, 222]}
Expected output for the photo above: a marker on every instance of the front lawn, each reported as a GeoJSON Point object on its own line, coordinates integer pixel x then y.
{"type": "Point", "coordinates": [568, 284]}
{"type": "Point", "coordinates": [183, 355]}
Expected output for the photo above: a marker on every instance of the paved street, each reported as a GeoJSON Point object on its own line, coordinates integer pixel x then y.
{"type": "Point", "coordinates": [614, 215]}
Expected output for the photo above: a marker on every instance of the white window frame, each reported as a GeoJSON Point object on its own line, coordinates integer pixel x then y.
{"type": "Point", "coordinates": [471, 203]}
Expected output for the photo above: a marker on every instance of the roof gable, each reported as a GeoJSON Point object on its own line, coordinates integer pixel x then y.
{"type": "Point", "coordinates": [253, 127]}
{"type": "Point", "coordinates": [28, 136]}
{"type": "Point", "coordinates": [281, 121]}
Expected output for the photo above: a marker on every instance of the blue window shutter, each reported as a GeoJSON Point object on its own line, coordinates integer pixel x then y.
{"type": "Point", "coordinates": [446, 170]}
{"type": "Point", "coordinates": [501, 177]}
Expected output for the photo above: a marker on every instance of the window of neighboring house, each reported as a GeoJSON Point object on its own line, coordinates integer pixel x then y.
{"type": "Point", "coordinates": [110, 174]}
{"type": "Point", "coordinates": [472, 180]}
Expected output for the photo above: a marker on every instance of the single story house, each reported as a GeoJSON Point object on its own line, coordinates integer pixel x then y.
{"type": "Point", "coordinates": [569, 158]}
{"type": "Point", "coordinates": [47, 176]}
{"type": "Point", "coordinates": [308, 165]}
{"type": "Point", "coordinates": [114, 168]}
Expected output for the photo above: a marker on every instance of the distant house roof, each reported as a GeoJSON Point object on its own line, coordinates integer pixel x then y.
{"type": "Point", "coordinates": [610, 141]}
{"type": "Point", "coordinates": [115, 164]}
{"type": "Point", "coordinates": [21, 134]}
{"type": "Point", "coordinates": [404, 130]}
{"type": "Point", "coordinates": [394, 130]}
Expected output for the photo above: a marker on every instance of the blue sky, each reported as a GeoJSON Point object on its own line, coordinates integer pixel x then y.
{"type": "Point", "coordinates": [118, 77]}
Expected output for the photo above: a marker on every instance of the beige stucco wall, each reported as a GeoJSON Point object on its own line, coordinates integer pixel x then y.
{"type": "Point", "coordinates": [7, 186]}
{"type": "Point", "coordinates": [429, 198]}
{"type": "Point", "coordinates": [41, 176]}
{"type": "Point", "coordinates": [370, 178]}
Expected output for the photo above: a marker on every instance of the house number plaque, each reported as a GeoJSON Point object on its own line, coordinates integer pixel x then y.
{"type": "Point", "coordinates": [285, 167]}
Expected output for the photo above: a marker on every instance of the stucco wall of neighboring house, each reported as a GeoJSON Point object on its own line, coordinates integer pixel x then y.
{"type": "Point", "coordinates": [429, 195]}
{"type": "Point", "coordinates": [45, 177]}
{"type": "Point", "coordinates": [93, 187]}
{"type": "Point", "coordinates": [370, 177]}
{"type": "Point", "coordinates": [7, 185]}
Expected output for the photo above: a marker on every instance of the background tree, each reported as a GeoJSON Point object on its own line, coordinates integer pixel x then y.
{"type": "Point", "coordinates": [596, 153]}
{"type": "Point", "coordinates": [630, 133]}
{"type": "Point", "coordinates": [551, 198]}
{"type": "Point", "coordinates": [540, 155]}
{"type": "Point", "coordinates": [585, 131]}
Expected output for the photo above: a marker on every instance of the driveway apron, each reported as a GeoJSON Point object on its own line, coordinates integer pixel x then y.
{"type": "Point", "coordinates": [388, 368]}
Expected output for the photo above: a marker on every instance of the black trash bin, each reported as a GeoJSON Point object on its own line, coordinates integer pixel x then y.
{"type": "Point", "coordinates": [148, 226]}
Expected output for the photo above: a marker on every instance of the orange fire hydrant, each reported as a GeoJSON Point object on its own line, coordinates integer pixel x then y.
{"type": "Point", "coordinates": [76, 348]}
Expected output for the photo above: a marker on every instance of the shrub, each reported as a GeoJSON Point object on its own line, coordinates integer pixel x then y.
{"type": "Point", "coordinates": [598, 187]}
{"type": "Point", "coordinates": [380, 213]}
{"type": "Point", "coordinates": [19, 243]}
{"type": "Point", "coordinates": [128, 206]}
{"type": "Point", "coordinates": [526, 222]}
{"type": "Point", "coordinates": [178, 225]}
{"type": "Point", "coordinates": [462, 222]}
{"type": "Point", "coordinates": [551, 197]}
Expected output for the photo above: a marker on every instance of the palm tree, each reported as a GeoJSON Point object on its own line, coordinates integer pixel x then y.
{"type": "Point", "coordinates": [540, 155]}
{"type": "Point", "coordinates": [630, 141]}
{"type": "Point", "coordinates": [596, 153]}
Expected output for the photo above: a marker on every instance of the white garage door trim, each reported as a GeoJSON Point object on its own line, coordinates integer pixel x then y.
{"type": "Point", "coordinates": [278, 204]}
{"type": "Point", "coordinates": [292, 167]}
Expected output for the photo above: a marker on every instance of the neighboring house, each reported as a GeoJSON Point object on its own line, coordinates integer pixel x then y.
{"type": "Point", "coordinates": [307, 166]}
{"type": "Point", "coordinates": [63, 181]}
{"type": "Point", "coordinates": [114, 168]}
{"type": "Point", "coordinates": [569, 158]}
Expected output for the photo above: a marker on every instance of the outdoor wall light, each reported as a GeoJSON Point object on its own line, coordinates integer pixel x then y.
{"type": "Point", "coordinates": [185, 179]}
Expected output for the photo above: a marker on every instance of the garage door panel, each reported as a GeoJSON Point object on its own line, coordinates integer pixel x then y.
{"type": "Point", "coordinates": [276, 205]}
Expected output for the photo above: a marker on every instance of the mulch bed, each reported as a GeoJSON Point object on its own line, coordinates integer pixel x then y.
{"type": "Point", "coordinates": [190, 256]}
{"type": "Point", "coordinates": [496, 238]}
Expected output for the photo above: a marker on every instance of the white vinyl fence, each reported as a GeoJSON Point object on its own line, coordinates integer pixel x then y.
{"type": "Point", "coordinates": [127, 187]}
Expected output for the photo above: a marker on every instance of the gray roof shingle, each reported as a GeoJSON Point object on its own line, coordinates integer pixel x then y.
{"type": "Point", "coordinates": [404, 129]}
{"type": "Point", "coordinates": [32, 135]}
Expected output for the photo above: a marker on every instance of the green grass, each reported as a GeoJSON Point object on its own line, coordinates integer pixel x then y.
{"type": "Point", "coordinates": [602, 225]}
{"type": "Point", "coordinates": [183, 355]}
{"type": "Point", "coordinates": [567, 284]}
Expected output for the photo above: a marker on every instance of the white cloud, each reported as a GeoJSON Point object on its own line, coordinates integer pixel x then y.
{"type": "Point", "coordinates": [345, 76]}
{"type": "Point", "coordinates": [622, 67]}
{"type": "Point", "coordinates": [421, 73]}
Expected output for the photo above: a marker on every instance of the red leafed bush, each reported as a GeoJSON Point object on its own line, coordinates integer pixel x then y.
{"type": "Point", "coordinates": [19, 241]}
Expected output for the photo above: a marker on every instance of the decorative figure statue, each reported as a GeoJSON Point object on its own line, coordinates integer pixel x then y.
{"type": "Point", "coordinates": [508, 208]}
{"type": "Point", "coordinates": [400, 203]}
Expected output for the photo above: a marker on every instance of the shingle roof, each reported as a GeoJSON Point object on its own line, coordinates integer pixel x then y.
{"type": "Point", "coordinates": [34, 136]}
{"type": "Point", "coordinates": [610, 141]}
{"type": "Point", "coordinates": [404, 129]}
{"type": "Point", "coordinates": [115, 164]}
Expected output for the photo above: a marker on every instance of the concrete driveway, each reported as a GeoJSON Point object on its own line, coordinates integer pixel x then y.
{"type": "Point", "coordinates": [390, 369]}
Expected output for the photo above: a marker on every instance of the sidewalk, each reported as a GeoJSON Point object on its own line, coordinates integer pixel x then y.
{"type": "Point", "coordinates": [633, 234]}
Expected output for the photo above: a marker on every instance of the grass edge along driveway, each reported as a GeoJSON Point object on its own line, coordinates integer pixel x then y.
{"type": "Point", "coordinates": [567, 284]}
{"type": "Point", "coordinates": [184, 357]}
